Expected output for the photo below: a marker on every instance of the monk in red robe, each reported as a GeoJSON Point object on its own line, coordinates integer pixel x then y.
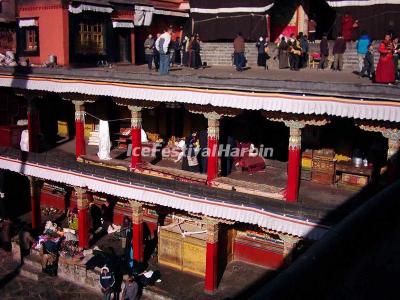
{"type": "Point", "coordinates": [347, 27]}
{"type": "Point", "coordinates": [385, 68]}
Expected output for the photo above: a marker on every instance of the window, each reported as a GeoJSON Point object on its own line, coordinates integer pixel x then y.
{"type": "Point", "coordinates": [28, 41]}
{"type": "Point", "coordinates": [91, 38]}
{"type": "Point", "coordinates": [31, 39]}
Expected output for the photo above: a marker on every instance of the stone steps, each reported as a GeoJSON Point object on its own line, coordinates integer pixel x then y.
{"type": "Point", "coordinates": [220, 54]}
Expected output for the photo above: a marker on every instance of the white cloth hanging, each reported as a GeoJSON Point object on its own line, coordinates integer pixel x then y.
{"type": "Point", "coordinates": [144, 136]}
{"type": "Point", "coordinates": [24, 143]}
{"type": "Point", "coordinates": [104, 141]}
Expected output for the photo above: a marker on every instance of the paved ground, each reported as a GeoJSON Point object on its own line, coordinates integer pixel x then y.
{"type": "Point", "coordinates": [14, 286]}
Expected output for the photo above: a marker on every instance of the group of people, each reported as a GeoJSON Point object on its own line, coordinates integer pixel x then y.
{"type": "Point", "coordinates": [293, 52]}
{"type": "Point", "coordinates": [165, 52]}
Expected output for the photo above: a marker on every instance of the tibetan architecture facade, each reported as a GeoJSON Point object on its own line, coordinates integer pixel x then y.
{"type": "Point", "coordinates": [202, 205]}
{"type": "Point", "coordinates": [91, 32]}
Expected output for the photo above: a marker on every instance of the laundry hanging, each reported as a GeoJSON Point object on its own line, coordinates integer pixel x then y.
{"type": "Point", "coordinates": [104, 141]}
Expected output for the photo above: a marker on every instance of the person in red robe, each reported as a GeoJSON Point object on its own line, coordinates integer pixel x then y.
{"type": "Point", "coordinates": [385, 68]}
{"type": "Point", "coordinates": [347, 27]}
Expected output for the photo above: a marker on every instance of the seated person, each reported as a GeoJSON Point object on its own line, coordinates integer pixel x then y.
{"type": "Point", "coordinates": [148, 278]}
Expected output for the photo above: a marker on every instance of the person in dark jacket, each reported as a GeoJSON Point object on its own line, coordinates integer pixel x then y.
{"type": "Point", "coordinates": [324, 52]}
{"type": "Point", "coordinates": [5, 228]}
{"type": "Point", "coordinates": [304, 50]}
{"type": "Point", "coordinates": [195, 58]}
{"type": "Point", "coordinates": [283, 54]}
{"type": "Point", "coordinates": [262, 45]}
{"type": "Point", "coordinates": [238, 51]}
{"type": "Point", "coordinates": [156, 56]}
{"type": "Point", "coordinates": [107, 282]}
{"type": "Point", "coordinates": [177, 51]}
{"type": "Point", "coordinates": [369, 65]}
{"type": "Point", "coordinates": [148, 50]}
{"type": "Point", "coordinates": [185, 49]}
{"type": "Point", "coordinates": [338, 50]}
{"type": "Point", "coordinates": [95, 214]}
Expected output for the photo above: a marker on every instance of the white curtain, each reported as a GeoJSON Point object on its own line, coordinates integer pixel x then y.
{"type": "Point", "coordinates": [104, 141]}
{"type": "Point", "coordinates": [24, 144]}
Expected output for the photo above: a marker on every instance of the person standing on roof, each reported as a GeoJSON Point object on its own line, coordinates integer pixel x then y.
{"type": "Point", "coordinates": [162, 46]}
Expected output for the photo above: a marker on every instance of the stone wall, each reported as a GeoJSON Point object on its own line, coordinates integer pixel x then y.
{"type": "Point", "coordinates": [220, 54]}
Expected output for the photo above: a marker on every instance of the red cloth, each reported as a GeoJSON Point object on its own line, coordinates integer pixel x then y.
{"type": "Point", "coordinates": [347, 27]}
{"type": "Point", "coordinates": [385, 68]}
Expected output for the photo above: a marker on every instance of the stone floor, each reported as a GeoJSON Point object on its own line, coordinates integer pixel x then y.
{"type": "Point", "coordinates": [13, 286]}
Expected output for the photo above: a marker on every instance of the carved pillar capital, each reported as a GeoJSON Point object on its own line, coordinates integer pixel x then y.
{"type": "Point", "coordinates": [392, 134]}
{"type": "Point", "coordinates": [136, 116]}
{"type": "Point", "coordinates": [213, 124]}
{"type": "Point", "coordinates": [82, 200]}
{"type": "Point", "coordinates": [137, 212]}
{"type": "Point", "coordinates": [294, 133]}
{"type": "Point", "coordinates": [212, 227]}
{"type": "Point", "coordinates": [79, 110]}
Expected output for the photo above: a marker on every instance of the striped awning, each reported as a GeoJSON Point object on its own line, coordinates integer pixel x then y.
{"type": "Point", "coordinates": [89, 7]}
{"type": "Point", "coordinates": [170, 198]}
{"type": "Point", "coordinates": [297, 104]}
{"type": "Point", "coordinates": [230, 6]}
{"type": "Point", "coordinates": [122, 24]}
{"type": "Point", "coordinates": [27, 23]}
{"type": "Point", "coordinates": [345, 3]}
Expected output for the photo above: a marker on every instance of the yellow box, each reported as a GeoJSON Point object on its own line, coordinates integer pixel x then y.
{"type": "Point", "coordinates": [62, 128]}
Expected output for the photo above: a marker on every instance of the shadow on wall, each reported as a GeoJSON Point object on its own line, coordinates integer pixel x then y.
{"type": "Point", "coordinates": [357, 259]}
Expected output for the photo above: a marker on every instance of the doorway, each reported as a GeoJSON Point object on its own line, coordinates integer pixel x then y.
{"type": "Point", "coordinates": [123, 42]}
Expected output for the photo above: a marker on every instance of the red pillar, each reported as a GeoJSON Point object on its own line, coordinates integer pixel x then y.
{"type": "Point", "coordinates": [211, 278]}
{"type": "Point", "coordinates": [83, 217]}
{"type": "Point", "coordinates": [136, 133]}
{"type": "Point", "coordinates": [80, 145]}
{"type": "Point", "coordinates": [294, 162]}
{"type": "Point", "coordinates": [137, 224]}
{"type": "Point", "coordinates": [35, 203]}
{"type": "Point", "coordinates": [213, 137]}
{"type": "Point", "coordinates": [33, 126]}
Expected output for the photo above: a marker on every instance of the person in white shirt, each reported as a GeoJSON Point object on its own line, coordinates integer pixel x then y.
{"type": "Point", "coordinates": [162, 46]}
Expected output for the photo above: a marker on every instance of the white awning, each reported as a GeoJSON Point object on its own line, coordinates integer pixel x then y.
{"type": "Point", "coordinates": [171, 13]}
{"type": "Point", "coordinates": [379, 110]}
{"type": "Point", "coordinates": [143, 15]}
{"type": "Point", "coordinates": [122, 24]}
{"type": "Point", "coordinates": [87, 7]}
{"type": "Point", "coordinates": [170, 198]}
{"type": "Point", "coordinates": [345, 3]}
{"type": "Point", "coordinates": [28, 23]}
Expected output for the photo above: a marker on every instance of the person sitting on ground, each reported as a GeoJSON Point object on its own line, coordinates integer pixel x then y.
{"type": "Point", "coordinates": [107, 281]}
{"type": "Point", "coordinates": [131, 289]}
{"type": "Point", "coordinates": [148, 278]}
{"type": "Point", "coordinates": [338, 50]}
{"type": "Point", "coordinates": [369, 65]}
